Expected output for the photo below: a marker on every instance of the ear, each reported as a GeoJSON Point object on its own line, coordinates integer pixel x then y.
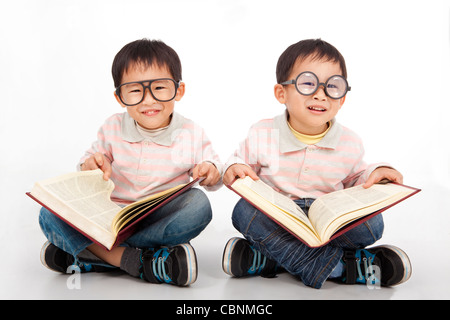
{"type": "Point", "coordinates": [118, 100]}
{"type": "Point", "coordinates": [280, 94]}
{"type": "Point", "coordinates": [180, 91]}
{"type": "Point", "coordinates": [341, 101]}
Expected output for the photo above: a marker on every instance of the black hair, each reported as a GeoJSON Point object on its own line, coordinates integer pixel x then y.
{"type": "Point", "coordinates": [315, 48]}
{"type": "Point", "coordinates": [146, 52]}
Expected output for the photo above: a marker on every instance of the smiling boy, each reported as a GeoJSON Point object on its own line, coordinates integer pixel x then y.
{"type": "Point", "coordinates": [145, 150]}
{"type": "Point", "coordinates": [304, 154]}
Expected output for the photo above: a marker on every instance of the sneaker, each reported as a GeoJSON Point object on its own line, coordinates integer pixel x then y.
{"type": "Point", "coordinates": [241, 259]}
{"type": "Point", "coordinates": [385, 265]}
{"type": "Point", "coordinates": [58, 260]}
{"type": "Point", "coordinates": [176, 265]}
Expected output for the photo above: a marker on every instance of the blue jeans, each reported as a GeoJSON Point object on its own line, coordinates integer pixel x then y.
{"type": "Point", "coordinates": [312, 265]}
{"type": "Point", "coordinates": [179, 221]}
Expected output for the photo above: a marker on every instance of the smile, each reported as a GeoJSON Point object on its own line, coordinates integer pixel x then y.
{"type": "Point", "coordinates": [316, 108]}
{"type": "Point", "coordinates": [151, 112]}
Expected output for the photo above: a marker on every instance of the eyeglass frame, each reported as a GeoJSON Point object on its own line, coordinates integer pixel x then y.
{"type": "Point", "coordinates": [177, 85]}
{"type": "Point", "coordinates": [324, 84]}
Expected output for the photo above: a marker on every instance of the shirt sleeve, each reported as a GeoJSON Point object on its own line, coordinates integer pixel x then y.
{"type": "Point", "coordinates": [206, 153]}
{"type": "Point", "coordinates": [101, 144]}
{"type": "Point", "coordinates": [246, 153]}
{"type": "Point", "coordinates": [361, 171]}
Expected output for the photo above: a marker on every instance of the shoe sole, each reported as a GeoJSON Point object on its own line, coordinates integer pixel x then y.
{"type": "Point", "coordinates": [226, 258]}
{"type": "Point", "coordinates": [191, 260]}
{"type": "Point", "coordinates": [42, 255]}
{"type": "Point", "coordinates": [407, 267]}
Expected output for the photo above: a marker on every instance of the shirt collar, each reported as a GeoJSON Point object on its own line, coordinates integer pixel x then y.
{"type": "Point", "coordinates": [130, 132]}
{"type": "Point", "coordinates": [289, 143]}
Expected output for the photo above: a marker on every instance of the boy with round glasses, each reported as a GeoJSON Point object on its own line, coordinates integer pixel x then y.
{"type": "Point", "coordinates": [148, 149]}
{"type": "Point", "coordinates": [303, 154]}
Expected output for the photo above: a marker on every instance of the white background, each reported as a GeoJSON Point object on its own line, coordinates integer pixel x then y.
{"type": "Point", "coordinates": [56, 90]}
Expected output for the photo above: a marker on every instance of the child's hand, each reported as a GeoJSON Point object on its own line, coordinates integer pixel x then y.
{"type": "Point", "coordinates": [238, 171]}
{"type": "Point", "coordinates": [209, 171]}
{"type": "Point", "coordinates": [98, 161]}
{"type": "Point", "coordinates": [383, 173]}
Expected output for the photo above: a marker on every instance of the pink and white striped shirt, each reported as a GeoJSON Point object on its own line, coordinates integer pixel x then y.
{"type": "Point", "coordinates": [299, 170]}
{"type": "Point", "coordinates": [143, 166]}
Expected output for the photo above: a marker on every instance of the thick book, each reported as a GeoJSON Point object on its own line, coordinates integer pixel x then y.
{"type": "Point", "coordinates": [83, 200]}
{"type": "Point", "coordinates": [330, 215]}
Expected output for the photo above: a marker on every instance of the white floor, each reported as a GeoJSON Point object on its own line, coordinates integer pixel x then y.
{"type": "Point", "coordinates": [23, 277]}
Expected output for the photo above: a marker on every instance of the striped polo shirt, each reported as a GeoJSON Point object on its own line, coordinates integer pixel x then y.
{"type": "Point", "coordinates": [300, 170]}
{"type": "Point", "coordinates": [144, 166]}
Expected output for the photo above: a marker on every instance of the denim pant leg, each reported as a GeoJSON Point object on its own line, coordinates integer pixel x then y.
{"type": "Point", "coordinates": [61, 234]}
{"type": "Point", "coordinates": [68, 239]}
{"type": "Point", "coordinates": [179, 221]}
{"type": "Point", "coordinates": [311, 265]}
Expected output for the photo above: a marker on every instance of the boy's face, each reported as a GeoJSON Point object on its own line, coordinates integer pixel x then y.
{"type": "Point", "coordinates": [150, 113]}
{"type": "Point", "coordinates": [310, 114]}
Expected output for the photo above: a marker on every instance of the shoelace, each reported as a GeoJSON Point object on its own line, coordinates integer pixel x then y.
{"type": "Point", "coordinates": [158, 265]}
{"type": "Point", "coordinates": [369, 268]}
{"type": "Point", "coordinates": [257, 265]}
{"type": "Point", "coordinates": [79, 266]}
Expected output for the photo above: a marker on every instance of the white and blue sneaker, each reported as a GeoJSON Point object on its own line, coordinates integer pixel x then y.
{"type": "Point", "coordinates": [241, 259]}
{"type": "Point", "coordinates": [175, 265]}
{"type": "Point", "coordinates": [58, 260]}
{"type": "Point", "coordinates": [385, 265]}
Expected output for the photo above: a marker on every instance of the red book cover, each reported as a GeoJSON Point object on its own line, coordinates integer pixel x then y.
{"type": "Point", "coordinates": [129, 229]}
{"type": "Point", "coordinates": [341, 231]}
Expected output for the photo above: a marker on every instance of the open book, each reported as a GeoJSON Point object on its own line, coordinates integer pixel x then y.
{"type": "Point", "coordinates": [83, 200]}
{"type": "Point", "coordinates": [330, 215]}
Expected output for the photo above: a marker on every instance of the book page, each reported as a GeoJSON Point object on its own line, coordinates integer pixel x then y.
{"type": "Point", "coordinates": [281, 201]}
{"type": "Point", "coordinates": [133, 210]}
{"type": "Point", "coordinates": [326, 210]}
{"type": "Point", "coordinates": [86, 193]}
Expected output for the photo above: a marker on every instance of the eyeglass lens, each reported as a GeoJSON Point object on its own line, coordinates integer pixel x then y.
{"type": "Point", "coordinates": [335, 87]}
{"type": "Point", "coordinates": [134, 92]}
